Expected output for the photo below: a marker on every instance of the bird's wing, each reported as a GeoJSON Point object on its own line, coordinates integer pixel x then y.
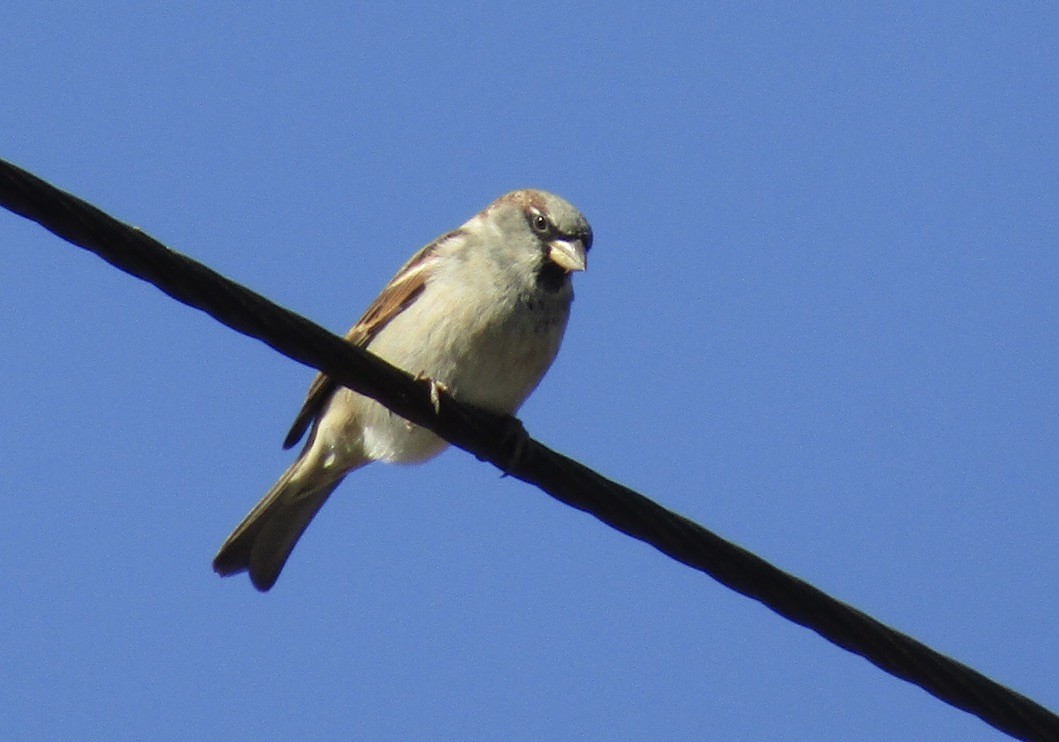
{"type": "Point", "coordinates": [398, 295]}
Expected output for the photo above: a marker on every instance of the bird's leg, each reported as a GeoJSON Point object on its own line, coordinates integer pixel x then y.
{"type": "Point", "coordinates": [515, 436]}
{"type": "Point", "coordinates": [436, 388]}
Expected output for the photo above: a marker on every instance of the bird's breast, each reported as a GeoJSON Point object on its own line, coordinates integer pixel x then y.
{"type": "Point", "coordinates": [489, 351]}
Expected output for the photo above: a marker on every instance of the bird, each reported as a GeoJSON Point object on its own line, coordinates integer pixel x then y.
{"type": "Point", "coordinates": [480, 312]}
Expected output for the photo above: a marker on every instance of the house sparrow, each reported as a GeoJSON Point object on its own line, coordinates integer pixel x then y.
{"type": "Point", "coordinates": [480, 311]}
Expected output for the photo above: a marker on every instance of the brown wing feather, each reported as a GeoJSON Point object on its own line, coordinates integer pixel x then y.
{"type": "Point", "coordinates": [398, 294]}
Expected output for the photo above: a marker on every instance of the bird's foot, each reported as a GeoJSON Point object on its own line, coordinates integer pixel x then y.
{"type": "Point", "coordinates": [515, 438]}
{"type": "Point", "coordinates": [436, 388]}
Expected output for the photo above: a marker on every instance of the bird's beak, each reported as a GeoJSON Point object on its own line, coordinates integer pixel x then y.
{"type": "Point", "coordinates": [568, 254]}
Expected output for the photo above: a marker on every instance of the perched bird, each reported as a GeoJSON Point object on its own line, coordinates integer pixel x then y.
{"type": "Point", "coordinates": [480, 311]}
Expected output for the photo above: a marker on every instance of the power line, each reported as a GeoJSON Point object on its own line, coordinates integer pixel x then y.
{"type": "Point", "coordinates": [500, 441]}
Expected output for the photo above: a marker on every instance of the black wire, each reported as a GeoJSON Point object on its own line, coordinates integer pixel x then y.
{"type": "Point", "coordinates": [498, 441]}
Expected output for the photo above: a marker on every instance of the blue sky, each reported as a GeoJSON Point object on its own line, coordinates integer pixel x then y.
{"type": "Point", "coordinates": [820, 319]}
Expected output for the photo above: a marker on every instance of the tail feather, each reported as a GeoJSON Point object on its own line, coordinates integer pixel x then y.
{"type": "Point", "coordinates": [264, 539]}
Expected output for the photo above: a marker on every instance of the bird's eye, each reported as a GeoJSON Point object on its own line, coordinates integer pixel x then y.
{"type": "Point", "coordinates": [540, 224]}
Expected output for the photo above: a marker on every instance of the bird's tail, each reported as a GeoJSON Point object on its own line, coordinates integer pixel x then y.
{"type": "Point", "coordinates": [264, 540]}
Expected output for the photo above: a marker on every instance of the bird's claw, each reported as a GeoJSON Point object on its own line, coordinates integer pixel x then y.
{"type": "Point", "coordinates": [436, 388]}
{"type": "Point", "coordinates": [515, 436]}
